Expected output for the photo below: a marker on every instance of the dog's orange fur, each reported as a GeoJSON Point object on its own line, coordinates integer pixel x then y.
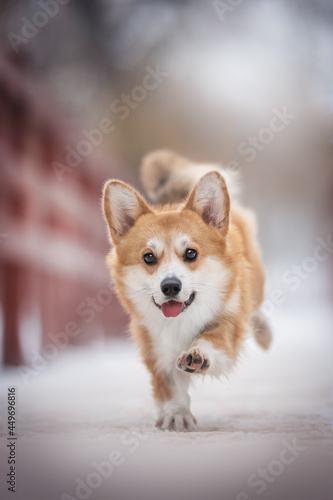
{"type": "Point", "coordinates": [232, 243]}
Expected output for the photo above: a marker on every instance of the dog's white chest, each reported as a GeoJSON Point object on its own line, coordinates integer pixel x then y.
{"type": "Point", "coordinates": [170, 337]}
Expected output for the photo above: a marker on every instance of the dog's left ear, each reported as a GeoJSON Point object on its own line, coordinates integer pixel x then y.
{"type": "Point", "coordinates": [122, 207]}
{"type": "Point", "coordinates": [211, 200]}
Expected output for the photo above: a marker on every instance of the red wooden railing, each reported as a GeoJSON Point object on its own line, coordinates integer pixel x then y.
{"type": "Point", "coordinates": [53, 240]}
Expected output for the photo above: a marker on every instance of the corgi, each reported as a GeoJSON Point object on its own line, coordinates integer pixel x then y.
{"type": "Point", "coordinates": [188, 270]}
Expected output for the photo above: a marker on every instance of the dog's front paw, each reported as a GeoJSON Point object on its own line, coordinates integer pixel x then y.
{"type": "Point", "coordinates": [178, 421]}
{"type": "Point", "coordinates": [193, 361]}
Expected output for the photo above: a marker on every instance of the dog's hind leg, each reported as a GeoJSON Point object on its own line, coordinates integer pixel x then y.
{"type": "Point", "coordinates": [261, 329]}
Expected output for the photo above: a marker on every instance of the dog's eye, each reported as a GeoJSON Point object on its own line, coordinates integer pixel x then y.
{"type": "Point", "coordinates": [149, 258]}
{"type": "Point", "coordinates": [190, 254]}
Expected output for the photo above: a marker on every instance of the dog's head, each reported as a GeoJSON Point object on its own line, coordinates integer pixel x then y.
{"type": "Point", "coordinates": [169, 260]}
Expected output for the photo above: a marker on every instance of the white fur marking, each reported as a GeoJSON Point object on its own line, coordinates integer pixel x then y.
{"type": "Point", "coordinates": [122, 202]}
{"type": "Point", "coordinates": [209, 198]}
{"type": "Point", "coordinates": [220, 362]}
{"type": "Point", "coordinates": [171, 336]}
{"type": "Point", "coordinates": [155, 244]}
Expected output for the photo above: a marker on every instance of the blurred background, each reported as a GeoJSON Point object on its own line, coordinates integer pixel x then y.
{"type": "Point", "coordinates": [88, 87]}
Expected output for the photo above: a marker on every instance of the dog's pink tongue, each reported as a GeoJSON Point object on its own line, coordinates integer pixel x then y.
{"type": "Point", "coordinates": [172, 308]}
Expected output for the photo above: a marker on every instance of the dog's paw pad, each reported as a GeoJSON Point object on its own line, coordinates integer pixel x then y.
{"type": "Point", "coordinates": [193, 361]}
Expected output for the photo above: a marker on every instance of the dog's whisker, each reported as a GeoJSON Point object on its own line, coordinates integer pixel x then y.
{"type": "Point", "coordinates": [145, 289]}
{"type": "Point", "coordinates": [205, 285]}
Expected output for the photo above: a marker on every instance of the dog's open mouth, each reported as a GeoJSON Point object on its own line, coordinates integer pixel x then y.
{"type": "Point", "coordinates": [172, 308]}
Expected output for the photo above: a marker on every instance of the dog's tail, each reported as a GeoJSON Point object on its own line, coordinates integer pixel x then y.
{"type": "Point", "coordinates": [168, 177]}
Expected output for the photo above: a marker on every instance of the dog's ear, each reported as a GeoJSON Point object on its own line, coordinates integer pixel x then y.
{"type": "Point", "coordinates": [122, 207]}
{"type": "Point", "coordinates": [210, 199]}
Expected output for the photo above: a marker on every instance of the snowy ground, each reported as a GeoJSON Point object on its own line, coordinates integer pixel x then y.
{"type": "Point", "coordinates": [266, 432]}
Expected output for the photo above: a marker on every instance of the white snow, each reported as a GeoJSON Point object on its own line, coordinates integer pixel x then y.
{"type": "Point", "coordinates": [92, 401]}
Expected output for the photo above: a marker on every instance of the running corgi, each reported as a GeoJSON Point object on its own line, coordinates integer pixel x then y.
{"type": "Point", "coordinates": [189, 273]}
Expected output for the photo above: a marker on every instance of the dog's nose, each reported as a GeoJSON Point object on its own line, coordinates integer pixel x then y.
{"type": "Point", "coordinates": [171, 286]}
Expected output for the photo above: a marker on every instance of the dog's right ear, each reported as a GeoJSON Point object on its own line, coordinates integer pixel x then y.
{"type": "Point", "coordinates": [122, 207]}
